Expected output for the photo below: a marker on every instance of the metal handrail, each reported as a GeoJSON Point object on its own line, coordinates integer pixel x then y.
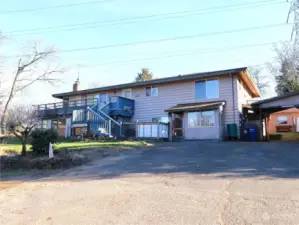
{"type": "Point", "coordinates": [88, 108]}
{"type": "Point", "coordinates": [108, 117]}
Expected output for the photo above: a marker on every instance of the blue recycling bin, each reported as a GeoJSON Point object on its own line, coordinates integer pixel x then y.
{"type": "Point", "coordinates": [252, 133]}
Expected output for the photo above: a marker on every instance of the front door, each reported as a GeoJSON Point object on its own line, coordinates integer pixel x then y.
{"type": "Point", "coordinates": [297, 125]}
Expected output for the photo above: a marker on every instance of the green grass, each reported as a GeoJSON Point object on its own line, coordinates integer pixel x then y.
{"type": "Point", "coordinates": [98, 144]}
{"type": "Point", "coordinates": [285, 136]}
{"type": "Point", "coordinates": [14, 146]}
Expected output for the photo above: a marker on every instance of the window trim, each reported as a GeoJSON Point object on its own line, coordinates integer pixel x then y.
{"type": "Point", "coordinates": [282, 123]}
{"type": "Point", "coordinates": [205, 80]}
{"type": "Point", "coordinates": [201, 127]}
{"type": "Point", "coordinates": [124, 92]}
{"type": "Point", "coordinates": [151, 91]}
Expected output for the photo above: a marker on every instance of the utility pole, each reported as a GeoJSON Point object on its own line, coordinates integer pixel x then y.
{"type": "Point", "coordinates": [294, 12]}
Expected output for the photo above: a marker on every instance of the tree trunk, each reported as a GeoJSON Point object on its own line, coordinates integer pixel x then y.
{"type": "Point", "coordinates": [10, 97]}
{"type": "Point", "coordinates": [24, 148]}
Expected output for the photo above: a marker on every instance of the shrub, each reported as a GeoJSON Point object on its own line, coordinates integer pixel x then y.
{"type": "Point", "coordinates": [41, 139]}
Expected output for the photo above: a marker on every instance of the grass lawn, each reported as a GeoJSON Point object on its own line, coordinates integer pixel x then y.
{"type": "Point", "coordinates": [98, 144]}
{"type": "Point", "coordinates": [285, 136]}
{"type": "Point", "coordinates": [13, 146]}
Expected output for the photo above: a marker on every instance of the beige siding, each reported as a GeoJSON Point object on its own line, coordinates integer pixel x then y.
{"type": "Point", "coordinates": [243, 96]}
{"type": "Point", "coordinates": [147, 107]}
{"type": "Point", "coordinates": [228, 87]}
{"type": "Point", "coordinates": [182, 92]}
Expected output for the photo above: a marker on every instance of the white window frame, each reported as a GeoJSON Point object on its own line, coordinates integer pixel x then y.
{"type": "Point", "coordinates": [126, 90]}
{"type": "Point", "coordinates": [152, 87]}
{"type": "Point", "coordinates": [200, 126]}
{"type": "Point", "coordinates": [205, 80]}
{"type": "Point", "coordinates": [282, 123]}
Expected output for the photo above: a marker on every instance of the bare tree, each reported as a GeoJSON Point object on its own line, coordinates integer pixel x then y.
{"type": "Point", "coordinates": [261, 80]}
{"type": "Point", "coordinates": [31, 68]}
{"type": "Point", "coordinates": [20, 122]}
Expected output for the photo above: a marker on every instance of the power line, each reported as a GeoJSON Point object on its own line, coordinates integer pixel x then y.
{"type": "Point", "coordinates": [174, 38]}
{"type": "Point", "coordinates": [201, 51]}
{"type": "Point", "coordinates": [166, 39]}
{"type": "Point", "coordinates": [81, 26]}
{"type": "Point", "coordinates": [54, 7]}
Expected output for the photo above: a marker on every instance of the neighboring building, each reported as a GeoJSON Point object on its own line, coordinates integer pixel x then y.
{"type": "Point", "coordinates": [198, 106]}
{"type": "Point", "coordinates": [284, 121]}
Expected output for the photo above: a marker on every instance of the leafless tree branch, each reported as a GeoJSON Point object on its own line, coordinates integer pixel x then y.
{"type": "Point", "coordinates": [31, 69]}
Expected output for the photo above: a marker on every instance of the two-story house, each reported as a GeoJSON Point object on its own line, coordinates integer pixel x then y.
{"type": "Point", "coordinates": [197, 106]}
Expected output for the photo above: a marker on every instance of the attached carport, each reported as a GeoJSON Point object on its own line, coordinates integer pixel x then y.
{"type": "Point", "coordinates": [260, 111]}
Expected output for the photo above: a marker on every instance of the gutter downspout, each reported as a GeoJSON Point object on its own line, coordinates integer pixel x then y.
{"type": "Point", "coordinates": [233, 92]}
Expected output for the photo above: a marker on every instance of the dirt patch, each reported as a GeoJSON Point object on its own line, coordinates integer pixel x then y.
{"type": "Point", "coordinates": [9, 184]}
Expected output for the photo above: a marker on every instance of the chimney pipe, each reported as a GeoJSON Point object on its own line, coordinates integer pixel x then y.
{"type": "Point", "coordinates": [76, 85]}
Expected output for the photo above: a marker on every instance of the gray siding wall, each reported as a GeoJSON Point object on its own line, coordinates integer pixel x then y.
{"type": "Point", "coordinates": [171, 94]}
{"type": "Point", "coordinates": [243, 96]}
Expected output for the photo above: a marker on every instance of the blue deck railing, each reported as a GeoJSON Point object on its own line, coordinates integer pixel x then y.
{"type": "Point", "coordinates": [118, 106]}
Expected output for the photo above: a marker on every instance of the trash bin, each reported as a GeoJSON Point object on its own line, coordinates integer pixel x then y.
{"type": "Point", "coordinates": [245, 134]}
{"type": "Point", "coordinates": [252, 133]}
{"type": "Point", "coordinates": [232, 131]}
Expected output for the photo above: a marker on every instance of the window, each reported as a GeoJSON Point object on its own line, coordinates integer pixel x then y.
{"type": "Point", "coordinates": [208, 89]}
{"type": "Point", "coordinates": [127, 94]}
{"type": "Point", "coordinates": [79, 115]}
{"type": "Point", "coordinates": [151, 91]}
{"type": "Point", "coordinates": [154, 91]}
{"type": "Point", "coordinates": [160, 119]}
{"type": "Point", "coordinates": [282, 120]}
{"type": "Point", "coordinates": [44, 124]}
{"type": "Point", "coordinates": [201, 119]}
{"type": "Point", "coordinates": [148, 91]}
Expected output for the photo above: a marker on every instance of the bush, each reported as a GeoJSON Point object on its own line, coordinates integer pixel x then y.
{"type": "Point", "coordinates": [41, 139]}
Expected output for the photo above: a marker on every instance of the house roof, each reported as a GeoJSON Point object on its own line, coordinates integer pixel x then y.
{"type": "Point", "coordinates": [291, 110]}
{"type": "Point", "coordinates": [240, 71]}
{"type": "Point", "coordinates": [195, 106]}
{"type": "Point", "coordinates": [275, 98]}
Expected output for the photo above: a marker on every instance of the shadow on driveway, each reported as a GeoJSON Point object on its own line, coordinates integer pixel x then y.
{"type": "Point", "coordinates": [213, 159]}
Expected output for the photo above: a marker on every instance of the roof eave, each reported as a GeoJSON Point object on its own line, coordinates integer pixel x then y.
{"type": "Point", "coordinates": [249, 83]}
{"type": "Point", "coordinates": [157, 81]}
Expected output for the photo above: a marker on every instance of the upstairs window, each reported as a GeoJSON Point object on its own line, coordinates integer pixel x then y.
{"type": "Point", "coordinates": [151, 91]}
{"type": "Point", "coordinates": [207, 89]}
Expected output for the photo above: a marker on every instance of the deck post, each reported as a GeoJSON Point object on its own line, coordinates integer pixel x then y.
{"type": "Point", "coordinates": [136, 128]}
{"type": "Point", "coordinates": [158, 131]}
{"type": "Point", "coordinates": [170, 127]}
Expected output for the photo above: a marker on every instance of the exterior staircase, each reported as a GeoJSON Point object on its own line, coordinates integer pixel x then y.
{"type": "Point", "coordinates": [100, 123]}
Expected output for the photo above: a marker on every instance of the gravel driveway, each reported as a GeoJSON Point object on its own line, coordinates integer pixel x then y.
{"type": "Point", "coordinates": [205, 183]}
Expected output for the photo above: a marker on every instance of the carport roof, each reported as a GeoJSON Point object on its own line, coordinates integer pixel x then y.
{"type": "Point", "coordinates": [276, 98]}
{"type": "Point", "coordinates": [195, 106]}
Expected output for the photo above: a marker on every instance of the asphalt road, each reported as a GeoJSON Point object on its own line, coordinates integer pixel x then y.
{"type": "Point", "coordinates": [171, 183]}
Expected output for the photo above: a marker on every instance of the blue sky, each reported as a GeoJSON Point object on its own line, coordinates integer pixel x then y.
{"type": "Point", "coordinates": [191, 57]}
